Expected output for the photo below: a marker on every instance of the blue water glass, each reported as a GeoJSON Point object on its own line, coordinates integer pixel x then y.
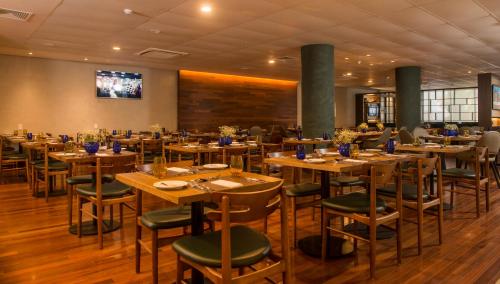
{"type": "Point", "coordinates": [389, 146]}
{"type": "Point", "coordinates": [344, 149]}
{"type": "Point", "coordinates": [29, 135]}
{"type": "Point", "coordinates": [228, 140]}
{"type": "Point", "coordinates": [301, 152]}
{"type": "Point", "coordinates": [114, 132]}
{"type": "Point", "coordinates": [64, 138]}
{"type": "Point", "coordinates": [157, 135]}
{"type": "Point", "coordinates": [222, 141]}
{"type": "Point", "coordinates": [117, 147]}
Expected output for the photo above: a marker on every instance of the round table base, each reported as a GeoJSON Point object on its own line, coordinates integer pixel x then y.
{"type": "Point", "coordinates": [338, 247]}
{"type": "Point", "coordinates": [90, 228]}
{"type": "Point", "coordinates": [363, 231]}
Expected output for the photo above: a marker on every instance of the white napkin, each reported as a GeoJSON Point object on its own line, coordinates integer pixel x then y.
{"type": "Point", "coordinates": [226, 183]}
{"type": "Point", "coordinates": [177, 170]}
{"type": "Point", "coordinates": [355, 161]}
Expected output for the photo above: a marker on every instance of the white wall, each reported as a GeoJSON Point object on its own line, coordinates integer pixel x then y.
{"type": "Point", "coordinates": [345, 105]}
{"type": "Point", "coordinates": [59, 97]}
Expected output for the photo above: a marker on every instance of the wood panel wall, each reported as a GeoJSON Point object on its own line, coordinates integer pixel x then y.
{"type": "Point", "coordinates": [207, 101]}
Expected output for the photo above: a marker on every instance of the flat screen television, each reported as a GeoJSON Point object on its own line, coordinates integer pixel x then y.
{"type": "Point", "coordinates": [496, 97]}
{"type": "Point", "coordinates": [118, 85]}
{"type": "Point", "coordinates": [373, 110]}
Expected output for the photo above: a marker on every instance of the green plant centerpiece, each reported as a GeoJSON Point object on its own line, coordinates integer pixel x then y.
{"type": "Point", "coordinates": [363, 127]}
{"type": "Point", "coordinates": [380, 126]}
{"type": "Point", "coordinates": [90, 141]}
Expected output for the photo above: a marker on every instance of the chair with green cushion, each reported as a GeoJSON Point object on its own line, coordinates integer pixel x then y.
{"type": "Point", "coordinates": [11, 161]}
{"type": "Point", "coordinates": [101, 194]}
{"type": "Point", "coordinates": [150, 148]}
{"type": "Point", "coordinates": [474, 177]}
{"type": "Point", "coordinates": [161, 219]}
{"type": "Point", "coordinates": [491, 140]}
{"type": "Point", "coordinates": [49, 170]}
{"type": "Point", "coordinates": [294, 191]}
{"type": "Point", "coordinates": [416, 197]}
{"type": "Point", "coordinates": [340, 182]}
{"type": "Point", "coordinates": [374, 143]}
{"type": "Point", "coordinates": [366, 208]}
{"type": "Point", "coordinates": [216, 254]}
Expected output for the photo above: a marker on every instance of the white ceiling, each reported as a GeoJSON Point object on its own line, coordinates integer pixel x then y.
{"type": "Point", "coordinates": [452, 40]}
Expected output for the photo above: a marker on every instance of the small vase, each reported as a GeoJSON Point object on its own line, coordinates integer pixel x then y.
{"type": "Point", "coordinates": [29, 136]}
{"type": "Point", "coordinates": [389, 146]}
{"type": "Point", "coordinates": [91, 147]}
{"type": "Point", "coordinates": [64, 138]}
{"type": "Point", "coordinates": [157, 135]}
{"type": "Point", "coordinates": [344, 149]}
{"type": "Point", "coordinates": [301, 152]}
{"type": "Point", "coordinates": [117, 147]}
{"type": "Point", "coordinates": [228, 140]}
{"type": "Point", "coordinates": [222, 141]}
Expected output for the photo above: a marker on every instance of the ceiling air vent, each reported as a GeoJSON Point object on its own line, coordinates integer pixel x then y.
{"type": "Point", "coordinates": [160, 53]}
{"type": "Point", "coordinates": [285, 58]}
{"type": "Point", "coordinates": [15, 14]}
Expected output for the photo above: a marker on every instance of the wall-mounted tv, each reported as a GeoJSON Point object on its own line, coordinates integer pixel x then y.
{"type": "Point", "coordinates": [496, 96]}
{"type": "Point", "coordinates": [118, 85]}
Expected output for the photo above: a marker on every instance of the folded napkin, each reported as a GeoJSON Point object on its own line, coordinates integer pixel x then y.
{"type": "Point", "coordinates": [177, 170]}
{"type": "Point", "coordinates": [355, 161]}
{"type": "Point", "coordinates": [226, 183]}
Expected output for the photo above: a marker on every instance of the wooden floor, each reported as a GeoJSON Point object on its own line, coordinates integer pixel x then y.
{"type": "Point", "coordinates": [36, 247]}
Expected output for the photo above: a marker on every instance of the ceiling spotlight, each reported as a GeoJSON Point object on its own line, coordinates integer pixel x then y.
{"type": "Point", "coordinates": [86, 59]}
{"type": "Point", "coordinates": [348, 74]}
{"type": "Point", "coordinates": [370, 81]}
{"type": "Point", "coordinates": [271, 61]}
{"type": "Point", "coordinates": [392, 61]}
{"type": "Point", "coordinates": [127, 11]}
{"type": "Point", "coordinates": [206, 8]}
{"type": "Point", "coordinates": [469, 72]}
{"type": "Point", "coordinates": [368, 55]}
{"type": "Point", "coordinates": [347, 58]}
{"type": "Point", "coordinates": [359, 62]}
{"type": "Point", "coordinates": [116, 48]}
{"type": "Point", "coordinates": [388, 77]}
{"type": "Point", "coordinates": [155, 31]}
{"type": "Point", "coordinates": [30, 53]}
{"type": "Point", "coordinates": [371, 64]}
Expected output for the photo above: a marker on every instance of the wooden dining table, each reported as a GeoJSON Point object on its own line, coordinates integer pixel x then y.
{"type": "Point", "coordinates": [80, 156]}
{"type": "Point", "coordinates": [457, 139]}
{"type": "Point", "coordinates": [201, 149]}
{"type": "Point", "coordinates": [337, 164]}
{"type": "Point", "coordinates": [194, 194]}
{"type": "Point", "coordinates": [307, 141]}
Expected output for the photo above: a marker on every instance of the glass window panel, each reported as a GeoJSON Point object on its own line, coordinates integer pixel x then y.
{"type": "Point", "coordinates": [460, 101]}
{"type": "Point", "coordinates": [467, 116]}
{"type": "Point", "coordinates": [435, 108]}
{"type": "Point", "coordinates": [439, 117]}
{"type": "Point", "coordinates": [437, 102]}
{"type": "Point", "coordinates": [455, 116]}
{"type": "Point", "coordinates": [439, 94]}
{"type": "Point", "coordinates": [454, 108]}
{"type": "Point", "coordinates": [448, 102]}
{"type": "Point", "coordinates": [447, 116]}
{"type": "Point", "coordinates": [464, 93]}
{"type": "Point", "coordinates": [467, 108]}
{"type": "Point", "coordinates": [448, 94]}
{"type": "Point", "coordinates": [426, 108]}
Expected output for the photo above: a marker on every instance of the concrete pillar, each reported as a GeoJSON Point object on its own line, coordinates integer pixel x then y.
{"type": "Point", "coordinates": [317, 89]}
{"type": "Point", "coordinates": [408, 97]}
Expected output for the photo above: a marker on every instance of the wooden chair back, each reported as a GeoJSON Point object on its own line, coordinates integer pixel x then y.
{"type": "Point", "coordinates": [111, 165]}
{"type": "Point", "coordinates": [151, 145]}
{"type": "Point", "coordinates": [227, 152]}
{"type": "Point", "coordinates": [380, 175]}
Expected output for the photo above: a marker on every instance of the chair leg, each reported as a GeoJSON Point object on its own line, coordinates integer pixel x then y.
{"type": "Point", "coordinates": [399, 238]}
{"type": "Point", "coordinates": [324, 234]}
{"type": "Point", "coordinates": [478, 201]}
{"type": "Point", "coordinates": [121, 215]}
{"type": "Point", "coordinates": [138, 236]}
{"type": "Point", "coordinates": [70, 205]}
{"type": "Point", "coordinates": [79, 225]}
{"type": "Point", "coordinates": [265, 225]}
{"type": "Point", "coordinates": [440, 221]}
{"type": "Point", "coordinates": [420, 227]}
{"type": "Point", "coordinates": [294, 221]}
{"type": "Point", "coordinates": [180, 270]}
{"type": "Point", "coordinates": [494, 169]}
{"type": "Point", "coordinates": [154, 250]}
{"type": "Point", "coordinates": [111, 215]}
{"type": "Point", "coordinates": [373, 250]}
{"type": "Point", "coordinates": [452, 193]}
{"type": "Point", "coordinates": [487, 193]}
{"type": "Point", "coordinates": [100, 218]}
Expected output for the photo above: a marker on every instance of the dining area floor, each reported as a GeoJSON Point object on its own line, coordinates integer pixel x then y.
{"type": "Point", "coordinates": [36, 247]}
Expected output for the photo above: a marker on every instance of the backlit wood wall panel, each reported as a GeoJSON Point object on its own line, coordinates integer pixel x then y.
{"type": "Point", "coordinates": [208, 100]}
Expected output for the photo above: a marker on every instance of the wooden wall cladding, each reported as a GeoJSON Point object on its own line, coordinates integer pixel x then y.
{"type": "Point", "coordinates": [207, 101]}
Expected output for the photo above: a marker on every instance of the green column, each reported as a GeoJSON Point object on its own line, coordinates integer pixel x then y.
{"type": "Point", "coordinates": [408, 97]}
{"type": "Point", "coordinates": [317, 89]}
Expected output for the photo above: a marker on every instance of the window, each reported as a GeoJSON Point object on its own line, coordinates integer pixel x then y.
{"type": "Point", "coordinates": [387, 108]}
{"type": "Point", "coordinates": [449, 105]}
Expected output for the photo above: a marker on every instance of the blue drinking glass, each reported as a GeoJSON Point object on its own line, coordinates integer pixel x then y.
{"type": "Point", "coordinates": [117, 147]}
{"type": "Point", "coordinates": [344, 149]}
{"type": "Point", "coordinates": [114, 132]}
{"type": "Point", "coordinates": [222, 141]}
{"type": "Point", "coordinates": [29, 135]}
{"type": "Point", "coordinates": [64, 138]}
{"type": "Point", "coordinates": [157, 135]}
{"type": "Point", "coordinates": [228, 140]}
{"type": "Point", "coordinates": [301, 152]}
{"type": "Point", "coordinates": [389, 146]}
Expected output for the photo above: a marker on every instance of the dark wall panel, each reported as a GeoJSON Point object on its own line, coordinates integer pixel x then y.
{"type": "Point", "coordinates": [208, 100]}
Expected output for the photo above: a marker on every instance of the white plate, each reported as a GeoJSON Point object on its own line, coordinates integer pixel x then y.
{"type": "Point", "coordinates": [170, 184]}
{"type": "Point", "coordinates": [306, 139]}
{"type": "Point", "coordinates": [308, 156]}
{"type": "Point", "coordinates": [430, 143]}
{"type": "Point", "coordinates": [329, 154]}
{"type": "Point", "coordinates": [373, 150]}
{"type": "Point", "coordinates": [215, 166]}
{"type": "Point", "coordinates": [315, 161]}
{"type": "Point", "coordinates": [66, 154]}
{"type": "Point", "coordinates": [82, 151]}
{"type": "Point", "coordinates": [366, 154]}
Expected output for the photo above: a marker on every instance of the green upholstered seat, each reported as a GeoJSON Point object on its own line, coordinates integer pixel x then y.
{"type": "Point", "coordinates": [53, 166]}
{"type": "Point", "coordinates": [459, 173]}
{"type": "Point", "coordinates": [18, 156]}
{"type": "Point", "coordinates": [168, 218]}
{"type": "Point", "coordinates": [356, 202]}
{"type": "Point", "coordinates": [302, 189]}
{"type": "Point", "coordinates": [36, 162]}
{"type": "Point", "coordinates": [112, 189]}
{"type": "Point", "coordinates": [247, 247]}
{"type": "Point", "coordinates": [409, 191]}
{"type": "Point", "coordinates": [83, 179]}
{"type": "Point", "coordinates": [346, 181]}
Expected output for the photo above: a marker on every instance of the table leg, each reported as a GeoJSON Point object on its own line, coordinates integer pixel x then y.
{"type": "Point", "coordinates": [196, 229]}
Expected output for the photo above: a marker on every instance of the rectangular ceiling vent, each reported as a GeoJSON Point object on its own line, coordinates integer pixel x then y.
{"type": "Point", "coordinates": [15, 14]}
{"type": "Point", "coordinates": [158, 53]}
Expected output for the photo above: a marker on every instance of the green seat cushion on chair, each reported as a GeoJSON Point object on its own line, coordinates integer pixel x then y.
{"type": "Point", "coordinates": [248, 247]}
{"type": "Point", "coordinates": [302, 189]}
{"type": "Point", "coordinates": [356, 202]}
{"type": "Point", "coordinates": [168, 218]}
{"type": "Point", "coordinates": [112, 189]}
{"type": "Point", "coordinates": [409, 191]}
{"type": "Point", "coordinates": [53, 166]}
{"type": "Point", "coordinates": [346, 181]}
{"type": "Point", "coordinates": [36, 162]}
{"type": "Point", "coordinates": [15, 156]}
{"type": "Point", "coordinates": [83, 179]}
{"type": "Point", "coordinates": [459, 173]}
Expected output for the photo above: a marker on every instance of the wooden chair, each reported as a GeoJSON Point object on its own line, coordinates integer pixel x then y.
{"type": "Point", "coordinates": [229, 151]}
{"type": "Point", "coordinates": [11, 161]}
{"type": "Point", "coordinates": [416, 197]}
{"type": "Point", "coordinates": [102, 194]}
{"type": "Point", "coordinates": [366, 208]}
{"type": "Point", "coordinates": [149, 149]}
{"type": "Point", "coordinates": [474, 178]}
{"type": "Point", "coordinates": [47, 171]}
{"type": "Point", "coordinates": [265, 149]}
{"type": "Point", "coordinates": [216, 254]}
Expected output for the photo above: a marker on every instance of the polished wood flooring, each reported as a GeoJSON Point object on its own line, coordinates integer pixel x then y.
{"type": "Point", "coordinates": [36, 247]}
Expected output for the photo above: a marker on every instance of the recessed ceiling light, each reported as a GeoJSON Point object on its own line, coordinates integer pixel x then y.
{"type": "Point", "coordinates": [206, 8]}
{"type": "Point", "coordinates": [271, 61]}
{"type": "Point", "coordinates": [359, 62]}
{"type": "Point", "coordinates": [30, 53]}
{"type": "Point", "coordinates": [348, 74]}
{"type": "Point", "coordinates": [469, 72]}
{"type": "Point", "coordinates": [85, 59]}
{"type": "Point", "coordinates": [370, 81]}
{"type": "Point", "coordinates": [128, 11]}
{"type": "Point", "coordinates": [392, 61]}
{"type": "Point", "coordinates": [117, 48]}
{"type": "Point", "coordinates": [155, 31]}
{"type": "Point", "coordinates": [347, 58]}
{"type": "Point", "coordinates": [371, 64]}
{"type": "Point", "coordinates": [388, 77]}
{"type": "Point", "coordinates": [368, 55]}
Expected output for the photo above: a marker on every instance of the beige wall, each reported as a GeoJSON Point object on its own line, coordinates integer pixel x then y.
{"type": "Point", "coordinates": [59, 97]}
{"type": "Point", "coordinates": [345, 105]}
